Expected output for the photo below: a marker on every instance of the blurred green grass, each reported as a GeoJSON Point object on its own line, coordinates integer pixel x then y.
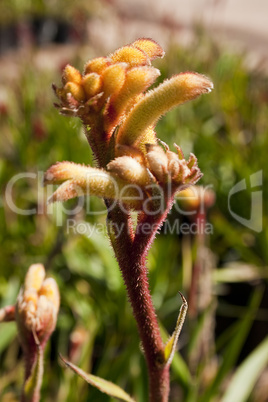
{"type": "Point", "coordinates": [228, 131]}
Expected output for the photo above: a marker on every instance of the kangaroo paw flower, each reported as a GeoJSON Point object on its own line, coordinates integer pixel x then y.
{"type": "Point", "coordinates": [177, 90]}
{"type": "Point", "coordinates": [36, 314]}
{"type": "Point", "coordinates": [80, 180]}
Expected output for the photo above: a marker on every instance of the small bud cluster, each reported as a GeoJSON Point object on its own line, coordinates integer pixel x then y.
{"type": "Point", "coordinates": [37, 306]}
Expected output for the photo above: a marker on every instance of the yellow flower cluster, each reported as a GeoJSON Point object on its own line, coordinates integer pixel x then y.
{"type": "Point", "coordinates": [120, 116]}
{"type": "Point", "coordinates": [115, 82]}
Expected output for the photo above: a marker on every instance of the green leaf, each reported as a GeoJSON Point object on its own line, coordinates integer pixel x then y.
{"type": "Point", "coordinates": [107, 387]}
{"type": "Point", "coordinates": [181, 370]}
{"type": "Point", "coordinates": [8, 332]}
{"type": "Point", "coordinates": [247, 374]}
{"type": "Point", "coordinates": [170, 347]}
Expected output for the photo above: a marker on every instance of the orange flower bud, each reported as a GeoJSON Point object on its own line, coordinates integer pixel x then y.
{"type": "Point", "coordinates": [137, 80]}
{"type": "Point", "coordinates": [76, 90]}
{"type": "Point", "coordinates": [97, 65]}
{"type": "Point", "coordinates": [71, 74]}
{"type": "Point", "coordinates": [130, 55]}
{"type": "Point", "coordinates": [150, 47]}
{"type": "Point", "coordinates": [113, 78]}
{"type": "Point", "coordinates": [91, 84]}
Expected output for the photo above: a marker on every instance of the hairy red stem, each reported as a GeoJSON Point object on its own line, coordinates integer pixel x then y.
{"type": "Point", "coordinates": [131, 253]}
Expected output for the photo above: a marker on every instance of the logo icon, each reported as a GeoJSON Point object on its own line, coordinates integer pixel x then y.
{"type": "Point", "coordinates": [255, 220]}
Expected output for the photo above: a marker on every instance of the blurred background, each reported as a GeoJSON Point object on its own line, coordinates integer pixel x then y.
{"type": "Point", "coordinates": [219, 260]}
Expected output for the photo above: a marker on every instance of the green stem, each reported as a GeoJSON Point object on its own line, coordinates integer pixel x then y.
{"type": "Point", "coordinates": [34, 369]}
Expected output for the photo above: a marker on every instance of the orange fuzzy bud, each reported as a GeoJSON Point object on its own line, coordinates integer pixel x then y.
{"type": "Point", "coordinates": [71, 74]}
{"type": "Point", "coordinates": [76, 90]}
{"type": "Point", "coordinates": [97, 65]}
{"type": "Point", "coordinates": [91, 84]}
{"type": "Point", "coordinates": [130, 55]}
{"type": "Point", "coordinates": [150, 47]}
{"type": "Point", "coordinates": [113, 78]}
{"type": "Point", "coordinates": [142, 77]}
{"type": "Point", "coordinates": [130, 170]}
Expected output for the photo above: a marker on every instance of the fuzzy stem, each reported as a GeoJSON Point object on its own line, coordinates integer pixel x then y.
{"type": "Point", "coordinates": [131, 255]}
{"type": "Point", "coordinates": [131, 252]}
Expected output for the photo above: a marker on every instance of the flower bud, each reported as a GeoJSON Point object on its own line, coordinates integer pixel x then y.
{"type": "Point", "coordinates": [97, 65]}
{"type": "Point", "coordinates": [158, 161]}
{"type": "Point", "coordinates": [150, 47]}
{"type": "Point", "coordinates": [37, 306]}
{"type": "Point", "coordinates": [36, 313]}
{"type": "Point", "coordinates": [34, 277]}
{"type": "Point", "coordinates": [76, 91]}
{"type": "Point", "coordinates": [91, 84]}
{"type": "Point", "coordinates": [130, 170]}
{"type": "Point", "coordinates": [71, 74]}
{"type": "Point", "coordinates": [85, 180]}
{"type": "Point", "coordinates": [113, 78]}
{"type": "Point", "coordinates": [137, 80]}
{"type": "Point", "coordinates": [130, 55]}
{"type": "Point", "coordinates": [125, 150]}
